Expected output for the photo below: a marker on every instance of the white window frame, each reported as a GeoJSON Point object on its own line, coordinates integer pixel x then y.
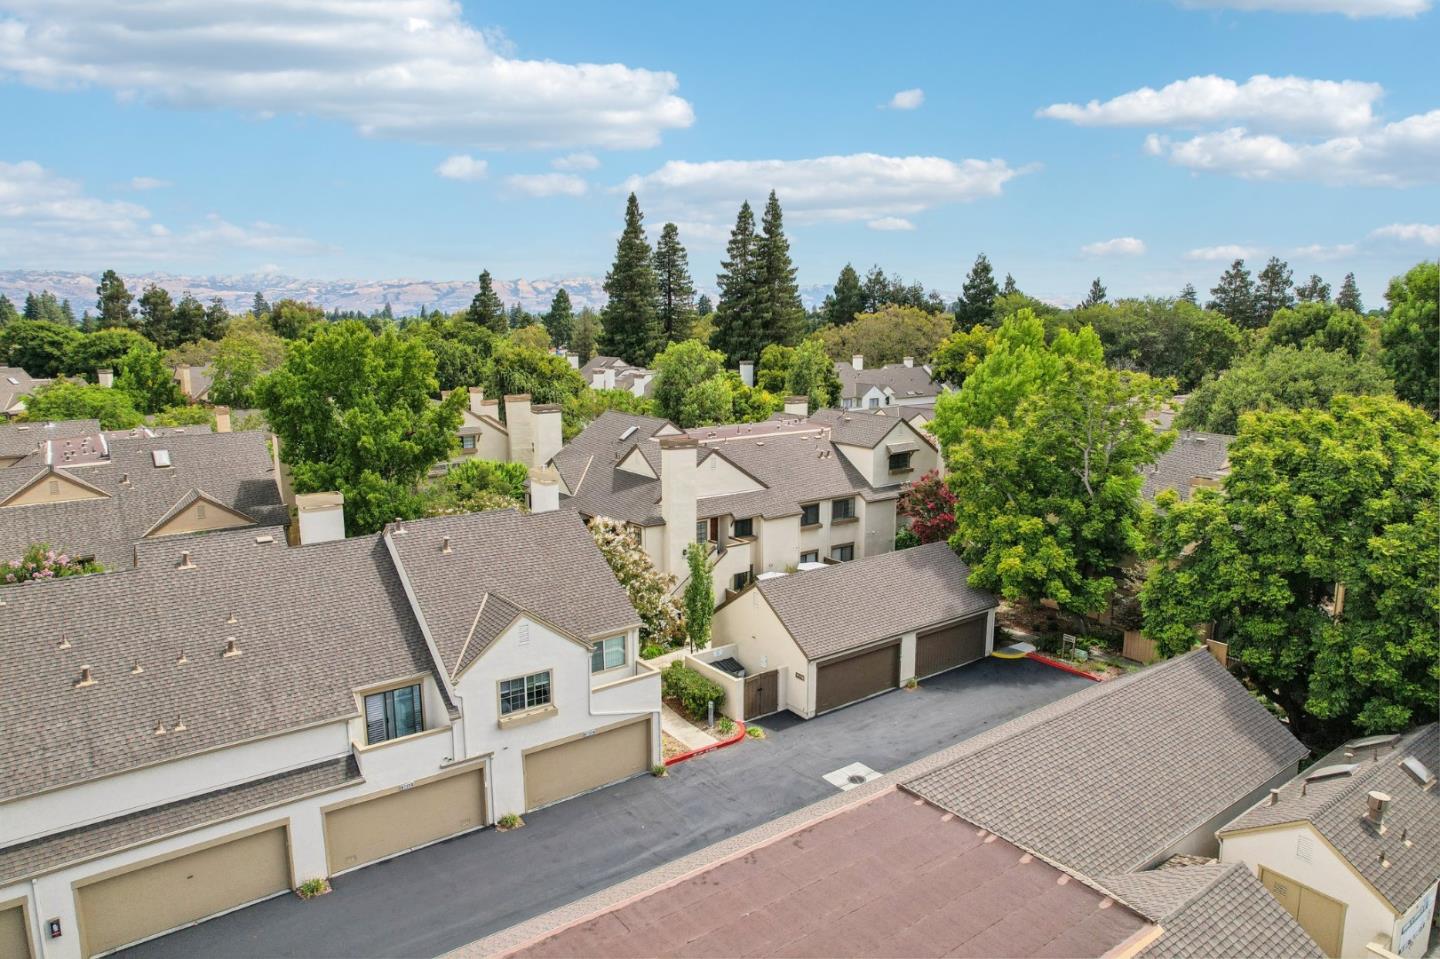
{"type": "Point", "coordinates": [603, 648]}
{"type": "Point", "coordinates": [530, 684]}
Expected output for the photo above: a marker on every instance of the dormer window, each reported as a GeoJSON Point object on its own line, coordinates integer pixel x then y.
{"type": "Point", "coordinates": [467, 442]}
{"type": "Point", "coordinates": [393, 714]}
{"type": "Point", "coordinates": [900, 462]}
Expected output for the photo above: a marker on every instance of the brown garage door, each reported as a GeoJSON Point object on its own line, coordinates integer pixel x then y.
{"type": "Point", "coordinates": [390, 824]}
{"type": "Point", "coordinates": [14, 937]}
{"type": "Point", "coordinates": [855, 677]}
{"type": "Point", "coordinates": [175, 892]}
{"type": "Point", "coordinates": [955, 645]}
{"type": "Point", "coordinates": [553, 773]}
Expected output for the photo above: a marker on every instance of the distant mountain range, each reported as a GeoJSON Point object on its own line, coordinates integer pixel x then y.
{"type": "Point", "coordinates": [405, 297]}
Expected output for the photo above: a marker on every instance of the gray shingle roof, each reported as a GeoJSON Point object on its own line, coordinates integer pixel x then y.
{"type": "Point", "coordinates": [906, 382]}
{"type": "Point", "coordinates": [18, 439]}
{"type": "Point", "coordinates": [1035, 782]}
{"type": "Point", "coordinates": [1336, 808]}
{"type": "Point", "coordinates": [865, 427]}
{"type": "Point", "coordinates": [1213, 910]}
{"type": "Point", "coordinates": [846, 606]}
{"type": "Point", "coordinates": [234, 469]}
{"type": "Point", "coordinates": [599, 447]}
{"type": "Point", "coordinates": [1192, 454]}
{"type": "Point", "coordinates": [39, 856]}
{"type": "Point", "coordinates": [313, 623]}
{"type": "Point", "coordinates": [15, 383]}
{"type": "Point", "coordinates": [501, 562]}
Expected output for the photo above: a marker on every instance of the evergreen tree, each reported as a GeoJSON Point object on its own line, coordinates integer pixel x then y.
{"type": "Point", "coordinates": [587, 331]}
{"type": "Point", "coordinates": [517, 317]}
{"type": "Point", "coordinates": [485, 308]}
{"type": "Point", "coordinates": [1313, 290]}
{"type": "Point", "coordinates": [113, 303]}
{"type": "Point", "coordinates": [780, 316]}
{"type": "Point", "coordinates": [629, 323]}
{"type": "Point", "coordinates": [1096, 296]}
{"type": "Point", "coordinates": [44, 307]}
{"type": "Point", "coordinates": [67, 313]}
{"type": "Point", "coordinates": [157, 316]}
{"type": "Point", "coordinates": [1349, 298]}
{"type": "Point", "coordinates": [217, 319]}
{"type": "Point", "coordinates": [8, 313]}
{"type": "Point", "coordinates": [189, 320]}
{"type": "Point", "coordinates": [703, 306]}
{"type": "Point", "coordinates": [1009, 289]}
{"type": "Point", "coordinates": [560, 320]}
{"type": "Point", "coordinates": [1234, 297]}
{"type": "Point", "coordinates": [977, 299]}
{"type": "Point", "coordinates": [1272, 290]}
{"type": "Point", "coordinates": [846, 300]}
{"type": "Point", "coordinates": [258, 307]}
{"type": "Point", "coordinates": [1188, 295]}
{"type": "Point", "coordinates": [677, 289]}
{"type": "Point", "coordinates": [735, 332]}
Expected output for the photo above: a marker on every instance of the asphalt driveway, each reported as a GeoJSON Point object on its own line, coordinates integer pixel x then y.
{"type": "Point", "coordinates": [433, 900]}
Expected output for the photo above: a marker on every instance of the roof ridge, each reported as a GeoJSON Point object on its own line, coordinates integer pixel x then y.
{"type": "Point", "coordinates": [460, 658]}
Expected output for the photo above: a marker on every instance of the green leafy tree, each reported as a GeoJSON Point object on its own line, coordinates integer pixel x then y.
{"type": "Point", "coordinates": [237, 368]}
{"type": "Point", "coordinates": [461, 349]}
{"type": "Point", "coordinates": [1163, 337]}
{"type": "Point", "coordinates": [977, 297]}
{"type": "Point", "coordinates": [1096, 296]}
{"type": "Point", "coordinates": [662, 622]}
{"type": "Point", "coordinates": [1317, 324]}
{"type": "Point", "coordinates": [486, 310]}
{"type": "Point", "coordinates": [587, 333]}
{"type": "Point", "coordinates": [157, 317]}
{"type": "Point", "coordinates": [66, 400]}
{"type": "Point", "coordinates": [1283, 378]}
{"type": "Point", "coordinates": [113, 302]}
{"type": "Point", "coordinates": [773, 369]}
{"type": "Point", "coordinates": [532, 337]}
{"type": "Point", "coordinates": [1316, 499]}
{"type": "Point", "coordinates": [475, 486]}
{"type": "Point", "coordinates": [190, 319]}
{"type": "Point", "coordinates": [1272, 290]}
{"type": "Point", "coordinates": [1349, 295]}
{"type": "Point", "coordinates": [847, 300]}
{"type": "Point", "coordinates": [514, 368]}
{"type": "Point", "coordinates": [680, 369]}
{"type": "Point", "coordinates": [1313, 290]}
{"type": "Point", "coordinates": [676, 290]}
{"type": "Point", "coordinates": [779, 312]}
{"type": "Point", "coordinates": [142, 375]}
{"type": "Point", "coordinates": [40, 348]}
{"type": "Point", "coordinates": [102, 350]}
{"type": "Point", "coordinates": [737, 336]}
{"type": "Point", "coordinates": [811, 374]}
{"type": "Point", "coordinates": [1234, 297]}
{"type": "Point", "coordinates": [699, 596]}
{"type": "Point", "coordinates": [1410, 336]}
{"type": "Point", "coordinates": [353, 413]}
{"type": "Point", "coordinates": [630, 322]}
{"type": "Point", "coordinates": [957, 356]}
{"type": "Point", "coordinates": [45, 307]}
{"type": "Point", "coordinates": [888, 336]}
{"type": "Point", "coordinates": [292, 319]}
{"type": "Point", "coordinates": [560, 319]}
{"type": "Point", "coordinates": [217, 320]}
{"type": "Point", "coordinates": [587, 404]}
{"type": "Point", "coordinates": [8, 313]}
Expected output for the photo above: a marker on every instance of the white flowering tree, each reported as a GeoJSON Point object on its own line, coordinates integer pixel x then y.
{"type": "Point", "coordinates": [662, 621]}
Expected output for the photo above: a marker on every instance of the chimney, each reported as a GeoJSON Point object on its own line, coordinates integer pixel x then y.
{"type": "Point", "coordinates": [909, 361]}
{"type": "Point", "coordinates": [597, 380]}
{"type": "Point", "coordinates": [222, 419]}
{"type": "Point", "coordinates": [105, 378]}
{"type": "Point", "coordinates": [573, 359]}
{"type": "Point", "coordinates": [797, 406]}
{"type": "Point", "coordinates": [544, 490]}
{"type": "Point", "coordinates": [1377, 802]}
{"type": "Point", "coordinates": [490, 408]}
{"type": "Point", "coordinates": [477, 400]}
{"type": "Point", "coordinates": [857, 362]}
{"type": "Point", "coordinates": [322, 517]}
{"type": "Point", "coordinates": [187, 384]}
{"type": "Point", "coordinates": [520, 422]}
{"type": "Point", "coordinates": [548, 434]}
{"type": "Point", "coordinates": [747, 372]}
{"type": "Point", "coordinates": [677, 500]}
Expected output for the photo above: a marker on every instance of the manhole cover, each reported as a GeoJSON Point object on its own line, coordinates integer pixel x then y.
{"type": "Point", "coordinates": [856, 779]}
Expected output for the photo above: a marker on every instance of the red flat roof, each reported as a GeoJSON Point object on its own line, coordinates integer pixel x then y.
{"type": "Point", "coordinates": [894, 876]}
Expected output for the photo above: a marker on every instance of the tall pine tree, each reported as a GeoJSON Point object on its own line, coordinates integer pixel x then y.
{"type": "Point", "coordinates": [8, 313]}
{"type": "Point", "coordinates": [1009, 289]}
{"type": "Point", "coordinates": [113, 301]}
{"type": "Point", "coordinates": [486, 309]}
{"type": "Point", "coordinates": [735, 332]}
{"type": "Point", "coordinates": [1272, 290]}
{"type": "Point", "coordinates": [676, 309]}
{"type": "Point", "coordinates": [977, 298]}
{"type": "Point", "coordinates": [1234, 297]}
{"type": "Point", "coordinates": [1096, 296]}
{"type": "Point", "coordinates": [703, 306]}
{"type": "Point", "coordinates": [560, 319]}
{"type": "Point", "coordinates": [1349, 296]}
{"type": "Point", "coordinates": [1188, 295]}
{"type": "Point", "coordinates": [1313, 290]}
{"type": "Point", "coordinates": [846, 300]}
{"type": "Point", "coordinates": [157, 317]}
{"type": "Point", "coordinates": [587, 330]}
{"type": "Point", "coordinates": [630, 323]}
{"type": "Point", "coordinates": [780, 314]}
{"type": "Point", "coordinates": [258, 307]}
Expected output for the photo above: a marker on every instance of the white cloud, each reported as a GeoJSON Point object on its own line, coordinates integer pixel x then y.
{"type": "Point", "coordinates": [1120, 246]}
{"type": "Point", "coordinates": [408, 69]}
{"type": "Point", "coordinates": [1230, 251]}
{"type": "Point", "coordinates": [908, 99]}
{"type": "Point", "coordinates": [147, 183]}
{"type": "Point", "coordinates": [1320, 251]}
{"type": "Point", "coordinates": [857, 187]}
{"type": "Point", "coordinates": [463, 166]}
{"type": "Point", "coordinates": [1287, 103]}
{"type": "Point", "coordinates": [890, 223]}
{"type": "Point", "coordinates": [1354, 9]}
{"type": "Point", "coordinates": [1426, 233]}
{"type": "Point", "coordinates": [576, 161]}
{"type": "Point", "coordinates": [1402, 153]}
{"type": "Point", "coordinates": [546, 184]}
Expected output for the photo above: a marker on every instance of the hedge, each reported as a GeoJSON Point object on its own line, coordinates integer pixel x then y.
{"type": "Point", "coordinates": [694, 692]}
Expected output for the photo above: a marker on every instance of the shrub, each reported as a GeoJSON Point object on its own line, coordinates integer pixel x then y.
{"type": "Point", "coordinates": [754, 732]}
{"type": "Point", "coordinates": [40, 562]}
{"type": "Point", "coordinates": [693, 691]}
{"type": "Point", "coordinates": [651, 650]}
{"type": "Point", "coordinates": [311, 888]}
{"type": "Point", "coordinates": [510, 821]}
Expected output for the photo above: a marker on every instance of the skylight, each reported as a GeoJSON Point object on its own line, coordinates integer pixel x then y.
{"type": "Point", "coordinates": [629, 432]}
{"type": "Point", "coordinates": [161, 457]}
{"type": "Point", "coordinates": [1330, 772]}
{"type": "Point", "coordinates": [1417, 769]}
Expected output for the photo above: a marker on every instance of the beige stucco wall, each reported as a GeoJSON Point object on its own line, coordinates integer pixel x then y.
{"type": "Point", "coordinates": [53, 488]}
{"type": "Point", "coordinates": [201, 516]}
{"type": "Point", "coordinates": [717, 476]}
{"type": "Point", "coordinates": [762, 642]}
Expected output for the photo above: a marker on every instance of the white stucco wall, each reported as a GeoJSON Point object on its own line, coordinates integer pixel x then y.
{"type": "Point", "coordinates": [762, 642]}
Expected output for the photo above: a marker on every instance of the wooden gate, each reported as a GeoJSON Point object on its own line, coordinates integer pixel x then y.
{"type": "Point", "coordinates": [762, 694]}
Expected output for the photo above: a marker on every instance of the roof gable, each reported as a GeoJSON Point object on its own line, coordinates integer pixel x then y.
{"type": "Point", "coordinates": [53, 485]}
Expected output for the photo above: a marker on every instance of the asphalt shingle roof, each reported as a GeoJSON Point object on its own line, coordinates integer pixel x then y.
{"type": "Point", "coordinates": [599, 447]}
{"type": "Point", "coordinates": [848, 605]}
{"type": "Point", "coordinates": [312, 623]}
{"type": "Point", "coordinates": [1192, 454]}
{"type": "Point", "coordinates": [38, 856]}
{"type": "Point", "coordinates": [905, 382]}
{"type": "Point", "coordinates": [1336, 808]}
{"type": "Point", "coordinates": [866, 427]}
{"type": "Point", "coordinates": [15, 383]}
{"type": "Point", "coordinates": [1118, 809]}
{"type": "Point", "coordinates": [19, 439]}
{"type": "Point", "coordinates": [500, 563]}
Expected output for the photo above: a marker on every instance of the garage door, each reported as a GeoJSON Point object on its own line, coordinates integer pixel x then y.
{"type": "Point", "coordinates": [553, 773]}
{"type": "Point", "coordinates": [387, 825]}
{"type": "Point", "coordinates": [855, 677]}
{"type": "Point", "coordinates": [952, 646]}
{"type": "Point", "coordinates": [14, 941]}
{"type": "Point", "coordinates": [152, 899]}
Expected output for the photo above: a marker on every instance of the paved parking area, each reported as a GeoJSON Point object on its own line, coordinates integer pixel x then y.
{"type": "Point", "coordinates": [454, 892]}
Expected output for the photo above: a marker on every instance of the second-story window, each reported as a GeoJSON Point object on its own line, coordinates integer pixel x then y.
{"type": "Point", "coordinates": [899, 462]}
{"type": "Point", "coordinates": [392, 714]}
{"type": "Point", "coordinates": [524, 692]}
{"type": "Point", "coordinates": [842, 509]}
{"type": "Point", "coordinates": [702, 531]}
{"type": "Point", "coordinates": [743, 527]}
{"type": "Point", "coordinates": [467, 442]}
{"type": "Point", "coordinates": [607, 654]}
{"type": "Point", "coordinates": [810, 514]}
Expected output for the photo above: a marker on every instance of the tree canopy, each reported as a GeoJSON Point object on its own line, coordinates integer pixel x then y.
{"type": "Point", "coordinates": [1410, 336]}
{"type": "Point", "coordinates": [66, 400]}
{"type": "Point", "coordinates": [630, 322]}
{"type": "Point", "coordinates": [888, 336]}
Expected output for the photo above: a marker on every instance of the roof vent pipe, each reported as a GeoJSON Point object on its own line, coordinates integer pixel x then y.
{"type": "Point", "coordinates": [445, 546]}
{"type": "Point", "coordinates": [87, 678]}
{"type": "Point", "coordinates": [185, 562]}
{"type": "Point", "coordinates": [1274, 796]}
{"type": "Point", "coordinates": [231, 649]}
{"type": "Point", "coordinates": [1377, 802]}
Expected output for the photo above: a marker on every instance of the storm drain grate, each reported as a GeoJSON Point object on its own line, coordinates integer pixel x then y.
{"type": "Point", "coordinates": [848, 777]}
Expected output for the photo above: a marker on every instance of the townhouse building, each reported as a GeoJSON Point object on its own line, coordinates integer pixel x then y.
{"type": "Point", "coordinates": [895, 384]}
{"type": "Point", "coordinates": [527, 433]}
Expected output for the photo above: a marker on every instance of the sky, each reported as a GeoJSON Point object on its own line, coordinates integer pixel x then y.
{"type": "Point", "coordinates": [1147, 142]}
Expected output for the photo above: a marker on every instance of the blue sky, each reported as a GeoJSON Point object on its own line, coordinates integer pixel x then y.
{"type": "Point", "coordinates": [419, 138]}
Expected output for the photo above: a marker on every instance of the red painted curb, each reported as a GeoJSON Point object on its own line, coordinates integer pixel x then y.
{"type": "Point", "coordinates": [739, 735]}
{"type": "Point", "coordinates": [1065, 666]}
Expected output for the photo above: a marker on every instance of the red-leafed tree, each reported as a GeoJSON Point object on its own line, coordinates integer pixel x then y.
{"type": "Point", "coordinates": [930, 507]}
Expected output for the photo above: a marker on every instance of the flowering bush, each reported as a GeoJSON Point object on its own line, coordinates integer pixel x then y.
{"type": "Point", "coordinates": [41, 562]}
{"type": "Point", "coordinates": [930, 507]}
{"type": "Point", "coordinates": [662, 620]}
